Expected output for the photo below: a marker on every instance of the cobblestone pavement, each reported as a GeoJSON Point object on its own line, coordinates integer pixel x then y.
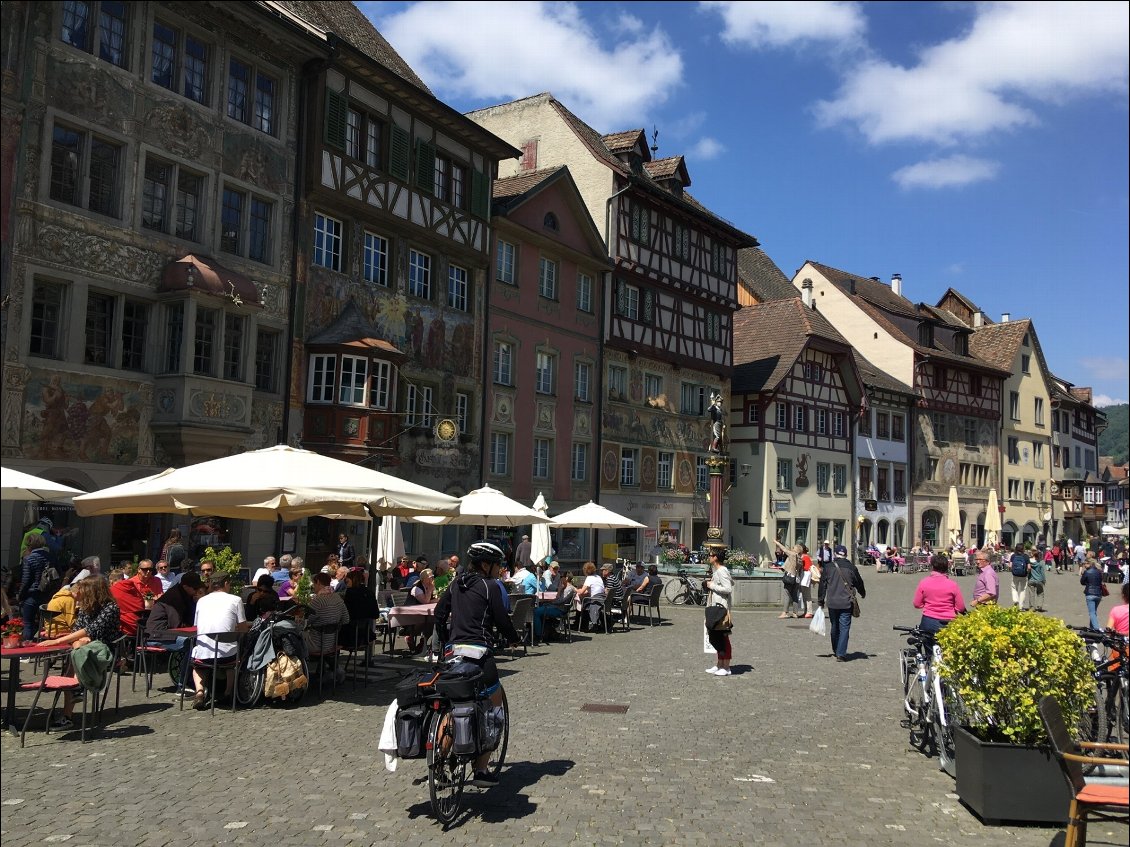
{"type": "Point", "coordinates": [793, 749]}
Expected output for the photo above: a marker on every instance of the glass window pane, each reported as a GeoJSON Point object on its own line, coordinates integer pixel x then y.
{"type": "Point", "coordinates": [239, 75]}
{"type": "Point", "coordinates": [103, 177]}
{"type": "Point", "coordinates": [189, 194]}
{"type": "Point", "coordinates": [259, 236]}
{"type": "Point", "coordinates": [155, 195]}
{"type": "Point", "coordinates": [265, 104]}
{"type": "Point", "coordinates": [231, 221]}
{"type": "Point", "coordinates": [66, 152]}
{"type": "Point", "coordinates": [99, 328]}
{"type": "Point", "coordinates": [76, 25]}
{"type": "Point", "coordinates": [164, 55]}
{"type": "Point", "coordinates": [112, 33]}
{"type": "Point", "coordinates": [195, 70]}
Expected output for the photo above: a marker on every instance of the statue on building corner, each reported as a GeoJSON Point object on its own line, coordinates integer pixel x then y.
{"type": "Point", "coordinates": [717, 422]}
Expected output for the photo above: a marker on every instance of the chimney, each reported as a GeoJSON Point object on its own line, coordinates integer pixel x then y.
{"type": "Point", "coordinates": [978, 319]}
{"type": "Point", "coordinates": [1004, 317]}
{"type": "Point", "coordinates": [896, 284]}
{"type": "Point", "coordinates": [806, 293]}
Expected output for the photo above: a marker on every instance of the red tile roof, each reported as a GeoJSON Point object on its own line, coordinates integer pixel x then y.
{"type": "Point", "coordinates": [768, 338]}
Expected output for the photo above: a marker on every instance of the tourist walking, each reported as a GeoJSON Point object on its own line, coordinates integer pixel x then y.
{"type": "Point", "coordinates": [1092, 581]}
{"type": "Point", "coordinates": [838, 589]}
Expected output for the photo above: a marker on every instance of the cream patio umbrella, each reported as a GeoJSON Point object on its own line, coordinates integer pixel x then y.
{"type": "Point", "coordinates": [275, 482]}
{"type": "Point", "coordinates": [992, 520]}
{"type": "Point", "coordinates": [953, 516]}
{"type": "Point", "coordinates": [485, 507]}
{"type": "Point", "coordinates": [594, 516]}
{"type": "Point", "coordinates": [17, 485]}
{"type": "Point", "coordinates": [541, 545]}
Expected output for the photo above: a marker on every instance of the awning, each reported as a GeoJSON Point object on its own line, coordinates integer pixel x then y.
{"type": "Point", "coordinates": [200, 273]}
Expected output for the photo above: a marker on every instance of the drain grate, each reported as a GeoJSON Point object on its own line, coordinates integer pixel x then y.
{"type": "Point", "coordinates": [605, 708]}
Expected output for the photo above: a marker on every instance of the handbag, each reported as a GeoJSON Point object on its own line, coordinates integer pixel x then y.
{"type": "Point", "coordinates": [1104, 589]}
{"type": "Point", "coordinates": [718, 619]}
{"type": "Point", "coordinates": [855, 611]}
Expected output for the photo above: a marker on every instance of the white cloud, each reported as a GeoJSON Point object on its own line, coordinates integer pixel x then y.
{"type": "Point", "coordinates": [1104, 400]}
{"type": "Point", "coordinates": [489, 51]}
{"type": "Point", "coordinates": [783, 24]}
{"type": "Point", "coordinates": [706, 148]}
{"type": "Point", "coordinates": [1013, 57]}
{"type": "Point", "coordinates": [1106, 367]}
{"type": "Point", "coordinates": [950, 172]}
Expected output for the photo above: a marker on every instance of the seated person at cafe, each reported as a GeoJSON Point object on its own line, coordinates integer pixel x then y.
{"type": "Point", "coordinates": [653, 579]}
{"type": "Point", "coordinates": [414, 575]}
{"type": "Point", "coordinates": [216, 612]}
{"type": "Point", "coordinates": [362, 607]}
{"type": "Point", "coordinates": [270, 565]}
{"type": "Point", "coordinates": [281, 572]}
{"type": "Point", "coordinates": [264, 585]}
{"type": "Point", "coordinates": [327, 608]}
{"type": "Point", "coordinates": [551, 577]}
{"type": "Point", "coordinates": [288, 589]}
{"type": "Point", "coordinates": [613, 587]}
{"type": "Point", "coordinates": [555, 609]}
{"type": "Point", "coordinates": [422, 593]}
{"type": "Point", "coordinates": [592, 591]}
{"type": "Point", "coordinates": [637, 578]}
{"type": "Point", "coordinates": [130, 593]}
{"type": "Point", "coordinates": [524, 580]}
{"type": "Point", "coordinates": [174, 609]}
{"type": "Point", "coordinates": [63, 602]}
{"type": "Point", "coordinates": [399, 575]}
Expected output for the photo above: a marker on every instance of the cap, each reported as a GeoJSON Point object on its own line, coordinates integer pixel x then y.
{"type": "Point", "coordinates": [607, 566]}
{"type": "Point", "coordinates": [555, 565]}
{"type": "Point", "coordinates": [422, 558]}
{"type": "Point", "coordinates": [826, 541]}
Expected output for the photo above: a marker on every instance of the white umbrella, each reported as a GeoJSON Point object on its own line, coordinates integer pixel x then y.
{"type": "Point", "coordinates": [541, 545]}
{"type": "Point", "coordinates": [953, 516]}
{"type": "Point", "coordinates": [17, 485]}
{"type": "Point", "coordinates": [390, 541]}
{"type": "Point", "coordinates": [1108, 529]}
{"type": "Point", "coordinates": [594, 516]}
{"type": "Point", "coordinates": [485, 507]}
{"type": "Point", "coordinates": [277, 481]}
{"type": "Point", "coordinates": [992, 519]}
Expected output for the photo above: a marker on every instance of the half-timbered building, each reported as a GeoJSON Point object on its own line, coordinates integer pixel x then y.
{"type": "Point", "coordinates": [667, 314]}
{"type": "Point", "coordinates": [391, 270]}
{"type": "Point", "coordinates": [796, 394]}
{"type": "Point", "coordinates": [543, 328]}
{"type": "Point", "coordinates": [149, 174]}
{"type": "Point", "coordinates": [1078, 496]}
{"type": "Point", "coordinates": [955, 427]}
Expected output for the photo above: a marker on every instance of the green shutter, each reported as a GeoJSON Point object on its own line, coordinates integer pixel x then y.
{"type": "Point", "coordinates": [480, 195]}
{"type": "Point", "coordinates": [398, 154]}
{"type": "Point", "coordinates": [337, 108]}
{"type": "Point", "coordinates": [425, 167]}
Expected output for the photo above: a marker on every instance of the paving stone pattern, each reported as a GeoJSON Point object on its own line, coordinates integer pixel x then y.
{"type": "Point", "coordinates": [793, 749]}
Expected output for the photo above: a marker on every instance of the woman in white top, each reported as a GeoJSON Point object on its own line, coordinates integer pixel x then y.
{"type": "Point", "coordinates": [721, 586]}
{"type": "Point", "coordinates": [593, 591]}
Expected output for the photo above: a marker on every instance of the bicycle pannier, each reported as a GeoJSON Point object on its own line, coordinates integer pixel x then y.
{"type": "Point", "coordinates": [491, 720]}
{"type": "Point", "coordinates": [415, 688]}
{"type": "Point", "coordinates": [461, 682]}
{"type": "Point", "coordinates": [465, 718]}
{"type": "Point", "coordinates": [410, 731]}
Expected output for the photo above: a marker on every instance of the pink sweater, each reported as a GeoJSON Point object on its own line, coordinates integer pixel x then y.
{"type": "Point", "coordinates": [939, 597]}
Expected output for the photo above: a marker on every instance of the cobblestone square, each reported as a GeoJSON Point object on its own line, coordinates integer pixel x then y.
{"type": "Point", "coordinates": [793, 749]}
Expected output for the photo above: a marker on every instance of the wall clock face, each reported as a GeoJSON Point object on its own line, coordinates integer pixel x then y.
{"type": "Point", "coordinates": [446, 430]}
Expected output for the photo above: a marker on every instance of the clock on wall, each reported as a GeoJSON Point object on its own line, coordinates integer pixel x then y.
{"type": "Point", "coordinates": [446, 430]}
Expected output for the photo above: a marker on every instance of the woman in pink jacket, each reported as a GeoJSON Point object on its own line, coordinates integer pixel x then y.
{"type": "Point", "coordinates": [938, 596]}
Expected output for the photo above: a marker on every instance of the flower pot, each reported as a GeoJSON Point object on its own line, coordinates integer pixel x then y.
{"type": "Point", "coordinates": [1009, 782]}
{"type": "Point", "coordinates": [12, 640]}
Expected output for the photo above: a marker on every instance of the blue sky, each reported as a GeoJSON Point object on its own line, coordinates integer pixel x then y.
{"type": "Point", "coordinates": [982, 146]}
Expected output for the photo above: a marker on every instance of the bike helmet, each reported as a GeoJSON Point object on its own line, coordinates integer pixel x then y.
{"type": "Point", "coordinates": [484, 551]}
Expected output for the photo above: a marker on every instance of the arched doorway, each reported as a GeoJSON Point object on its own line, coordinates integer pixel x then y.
{"type": "Point", "coordinates": [883, 531]}
{"type": "Point", "coordinates": [977, 531]}
{"type": "Point", "coordinates": [1028, 533]}
{"type": "Point", "coordinates": [931, 526]}
{"type": "Point", "coordinates": [1009, 533]}
{"type": "Point", "coordinates": [900, 534]}
{"type": "Point", "coordinates": [865, 532]}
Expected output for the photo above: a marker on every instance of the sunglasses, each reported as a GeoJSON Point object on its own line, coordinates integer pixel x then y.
{"type": "Point", "coordinates": [146, 570]}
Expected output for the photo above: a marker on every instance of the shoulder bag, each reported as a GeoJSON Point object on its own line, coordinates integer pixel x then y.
{"type": "Point", "coordinates": [850, 583]}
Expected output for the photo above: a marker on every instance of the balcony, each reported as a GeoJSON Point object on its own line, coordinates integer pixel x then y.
{"type": "Point", "coordinates": [347, 430]}
{"type": "Point", "coordinates": [196, 418]}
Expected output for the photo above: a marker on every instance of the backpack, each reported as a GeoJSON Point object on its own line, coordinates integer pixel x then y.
{"type": "Point", "coordinates": [1019, 564]}
{"type": "Point", "coordinates": [49, 581]}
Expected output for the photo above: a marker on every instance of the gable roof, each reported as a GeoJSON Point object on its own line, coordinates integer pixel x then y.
{"type": "Point", "coordinates": [879, 302]}
{"type": "Point", "coordinates": [622, 142]}
{"type": "Point", "coordinates": [664, 169]}
{"type": "Point", "coordinates": [768, 339]}
{"type": "Point", "coordinates": [509, 193]}
{"type": "Point", "coordinates": [761, 276]}
{"type": "Point", "coordinates": [997, 343]}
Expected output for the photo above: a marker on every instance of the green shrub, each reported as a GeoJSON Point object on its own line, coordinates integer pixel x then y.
{"type": "Point", "coordinates": [226, 561]}
{"type": "Point", "coordinates": [1002, 661]}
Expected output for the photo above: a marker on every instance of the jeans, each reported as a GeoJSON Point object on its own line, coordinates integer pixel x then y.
{"type": "Point", "coordinates": [841, 629]}
{"type": "Point", "coordinates": [1093, 601]}
{"type": "Point", "coordinates": [543, 612]}
{"type": "Point", "coordinates": [1020, 591]}
{"type": "Point", "coordinates": [931, 625]}
{"type": "Point", "coordinates": [29, 611]}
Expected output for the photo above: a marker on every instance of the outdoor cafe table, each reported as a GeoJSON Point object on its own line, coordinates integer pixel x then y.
{"type": "Point", "coordinates": [13, 655]}
{"type": "Point", "coordinates": [399, 616]}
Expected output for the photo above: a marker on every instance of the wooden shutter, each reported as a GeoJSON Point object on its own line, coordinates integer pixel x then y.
{"type": "Point", "coordinates": [480, 194]}
{"type": "Point", "coordinates": [426, 167]}
{"type": "Point", "coordinates": [398, 149]}
{"type": "Point", "coordinates": [337, 108]}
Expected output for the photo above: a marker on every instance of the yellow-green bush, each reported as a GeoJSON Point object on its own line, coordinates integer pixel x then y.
{"type": "Point", "coordinates": [1002, 661]}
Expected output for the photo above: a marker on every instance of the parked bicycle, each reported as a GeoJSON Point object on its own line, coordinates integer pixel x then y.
{"type": "Point", "coordinates": [932, 705]}
{"type": "Point", "coordinates": [1106, 719]}
{"type": "Point", "coordinates": [686, 590]}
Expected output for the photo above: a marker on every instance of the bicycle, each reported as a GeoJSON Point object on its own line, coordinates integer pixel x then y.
{"type": "Point", "coordinates": [932, 705]}
{"type": "Point", "coordinates": [455, 737]}
{"type": "Point", "coordinates": [1106, 718]}
{"type": "Point", "coordinates": [686, 590]}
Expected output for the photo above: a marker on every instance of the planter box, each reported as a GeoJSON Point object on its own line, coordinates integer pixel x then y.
{"type": "Point", "coordinates": [1009, 782]}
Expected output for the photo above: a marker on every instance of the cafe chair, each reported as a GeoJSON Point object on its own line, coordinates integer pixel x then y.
{"type": "Point", "coordinates": [616, 612]}
{"type": "Point", "coordinates": [328, 652]}
{"type": "Point", "coordinates": [1089, 801]}
{"type": "Point", "coordinates": [362, 642]}
{"type": "Point", "coordinates": [215, 664]}
{"type": "Point", "coordinates": [143, 655]}
{"type": "Point", "coordinates": [48, 628]}
{"type": "Point", "coordinates": [522, 618]}
{"type": "Point", "coordinates": [583, 615]}
{"type": "Point", "coordinates": [648, 602]}
{"type": "Point", "coordinates": [57, 684]}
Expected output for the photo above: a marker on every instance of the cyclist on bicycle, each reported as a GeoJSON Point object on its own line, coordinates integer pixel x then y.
{"type": "Point", "coordinates": [471, 603]}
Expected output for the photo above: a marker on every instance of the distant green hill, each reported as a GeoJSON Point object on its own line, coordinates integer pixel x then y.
{"type": "Point", "coordinates": [1115, 440]}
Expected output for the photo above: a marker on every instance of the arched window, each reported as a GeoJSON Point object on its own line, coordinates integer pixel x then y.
{"type": "Point", "coordinates": [931, 526]}
{"type": "Point", "coordinates": [1029, 533]}
{"type": "Point", "coordinates": [550, 222]}
{"type": "Point", "coordinates": [1009, 534]}
{"type": "Point", "coordinates": [865, 532]}
{"type": "Point", "coordinates": [900, 534]}
{"type": "Point", "coordinates": [883, 530]}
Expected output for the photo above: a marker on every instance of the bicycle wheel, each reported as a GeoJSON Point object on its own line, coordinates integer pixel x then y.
{"type": "Point", "coordinates": [917, 720]}
{"type": "Point", "coordinates": [1118, 718]}
{"type": "Point", "coordinates": [448, 772]}
{"type": "Point", "coordinates": [907, 662]}
{"type": "Point", "coordinates": [675, 593]}
{"type": "Point", "coordinates": [1093, 724]}
{"type": "Point", "coordinates": [498, 755]}
{"type": "Point", "coordinates": [249, 687]}
{"type": "Point", "coordinates": [176, 664]}
{"type": "Point", "coordinates": [946, 714]}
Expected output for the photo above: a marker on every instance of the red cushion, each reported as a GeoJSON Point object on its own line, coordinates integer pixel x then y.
{"type": "Point", "coordinates": [53, 683]}
{"type": "Point", "coordinates": [1104, 794]}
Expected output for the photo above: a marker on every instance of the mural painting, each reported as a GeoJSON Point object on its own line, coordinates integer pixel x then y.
{"type": "Point", "coordinates": [86, 421]}
{"type": "Point", "coordinates": [658, 428]}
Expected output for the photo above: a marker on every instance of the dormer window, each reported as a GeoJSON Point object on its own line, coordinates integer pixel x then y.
{"type": "Point", "coordinates": [961, 344]}
{"type": "Point", "coordinates": [550, 222]}
{"type": "Point", "coordinates": [926, 335]}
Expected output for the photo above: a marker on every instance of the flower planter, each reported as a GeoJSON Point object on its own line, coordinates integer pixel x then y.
{"type": "Point", "coordinates": [1009, 782]}
{"type": "Point", "coordinates": [12, 640]}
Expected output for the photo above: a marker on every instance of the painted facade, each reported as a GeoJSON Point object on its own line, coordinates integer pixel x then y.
{"type": "Point", "coordinates": [882, 463]}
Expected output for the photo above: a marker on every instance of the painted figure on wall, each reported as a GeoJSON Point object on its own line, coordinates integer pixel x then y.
{"type": "Point", "coordinates": [87, 422]}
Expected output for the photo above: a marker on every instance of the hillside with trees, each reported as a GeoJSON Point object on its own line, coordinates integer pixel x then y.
{"type": "Point", "coordinates": [1115, 439]}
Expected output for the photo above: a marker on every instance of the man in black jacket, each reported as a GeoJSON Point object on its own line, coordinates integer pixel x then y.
{"type": "Point", "coordinates": [472, 602]}
{"type": "Point", "coordinates": [174, 609]}
{"type": "Point", "coordinates": [839, 583]}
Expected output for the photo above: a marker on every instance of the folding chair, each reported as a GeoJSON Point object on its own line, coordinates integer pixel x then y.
{"type": "Point", "coordinates": [229, 663]}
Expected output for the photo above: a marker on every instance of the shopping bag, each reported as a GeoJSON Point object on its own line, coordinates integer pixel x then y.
{"type": "Point", "coordinates": [819, 623]}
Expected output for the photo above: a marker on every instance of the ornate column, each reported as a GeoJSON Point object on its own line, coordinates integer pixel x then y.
{"type": "Point", "coordinates": [716, 466]}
